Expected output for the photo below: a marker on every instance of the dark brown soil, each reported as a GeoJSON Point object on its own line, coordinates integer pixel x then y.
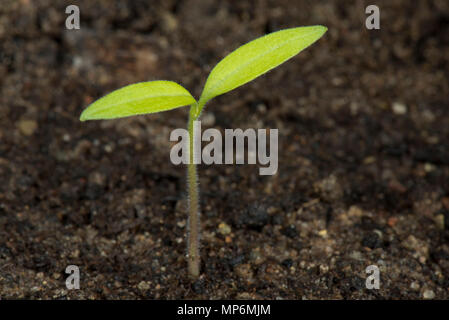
{"type": "Point", "coordinates": [363, 161]}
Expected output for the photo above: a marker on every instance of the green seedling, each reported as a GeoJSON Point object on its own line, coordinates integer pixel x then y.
{"type": "Point", "coordinates": [239, 67]}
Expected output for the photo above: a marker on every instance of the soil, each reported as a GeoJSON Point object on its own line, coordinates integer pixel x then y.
{"type": "Point", "coordinates": [363, 174]}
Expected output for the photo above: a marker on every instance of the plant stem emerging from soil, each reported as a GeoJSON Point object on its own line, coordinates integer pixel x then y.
{"type": "Point", "coordinates": [193, 240]}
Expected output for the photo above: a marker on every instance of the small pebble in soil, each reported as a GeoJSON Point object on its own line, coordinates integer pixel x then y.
{"type": "Point", "coordinates": [356, 255]}
{"type": "Point", "coordinates": [445, 202]}
{"type": "Point", "coordinates": [198, 286]}
{"type": "Point", "coordinates": [169, 21]}
{"type": "Point", "coordinates": [108, 148]}
{"type": "Point", "coordinates": [255, 217]}
{"type": "Point", "coordinates": [439, 221]}
{"type": "Point", "coordinates": [256, 256]}
{"type": "Point", "coordinates": [143, 285]}
{"type": "Point", "coordinates": [428, 294]}
{"type": "Point", "coordinates": [224, 228]}
{"type": "Point", "coordinates": [277, 219]}
{"type": "Point", "coordinates": [446, 219]}
{"type": "Point", "coordinates": [237, 260]}
{"type": "Point", "coordinates": [324, 269]}
{"type": "Point", "coordinates": [288, 263]}
{"type": "Point", "coordinates": [392, 221]}
{"type": "Point", "coordinates": [372, 241]}
{"type": "Point", "coordinates": [244, 271]}
{"type": "Point", "coordinates": [356, 284]}
{"type": "Point", "coordinates": [97, 178]}
{"type": "Point", "coordinates": [93, 192]}
{"type": "Point", "coordinates": [181, 224]}
{"type": "Point", "coordinates": [246, 296]}
{"type": "Point", "coordinates": [66, 137]}
{"type": "Point", "coordinates": [322, 233]}
{"type": "Point", "coordinates": [417, 246]}
{"type": "Point", "coordinates": [399, 108]}
{"type": "Point", "coordinates": [415, 285]}
{"type": "Point", "coordinates": [290, 232]}
{"type": "Point", "coordinates": [27, 127]}
{"type": "Point", "coordinates": [428, 167]}
{"type": "Point", "coordinates": [329, 188]}
{"type": "Point", "coordinates": [140, 210]}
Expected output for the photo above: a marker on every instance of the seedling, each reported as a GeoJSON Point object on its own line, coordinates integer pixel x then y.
{"type": "Point", "coordinates": [239, 67]}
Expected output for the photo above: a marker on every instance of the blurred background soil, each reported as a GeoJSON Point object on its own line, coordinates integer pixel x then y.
{"type": "Point", "coordinates": [363, 179]}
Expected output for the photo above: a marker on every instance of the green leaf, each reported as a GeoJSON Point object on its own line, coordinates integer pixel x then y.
{"type": "Point", "coordinates": [256, 58]}
{"type": "Point", "coordinates": [139, 98]}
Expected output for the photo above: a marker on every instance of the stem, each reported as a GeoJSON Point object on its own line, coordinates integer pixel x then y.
{"type": "Point", "coordinates": [194, 227]}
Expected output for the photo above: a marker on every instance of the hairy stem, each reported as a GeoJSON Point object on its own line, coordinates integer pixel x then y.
{"type": "Point", "coordinates": [193, 241]}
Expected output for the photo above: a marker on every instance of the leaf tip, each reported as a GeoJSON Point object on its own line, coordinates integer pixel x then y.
{"type": "Point", "coordinates": [84, 116]}
{"type": "Point", "coordinates": [321, 29]}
